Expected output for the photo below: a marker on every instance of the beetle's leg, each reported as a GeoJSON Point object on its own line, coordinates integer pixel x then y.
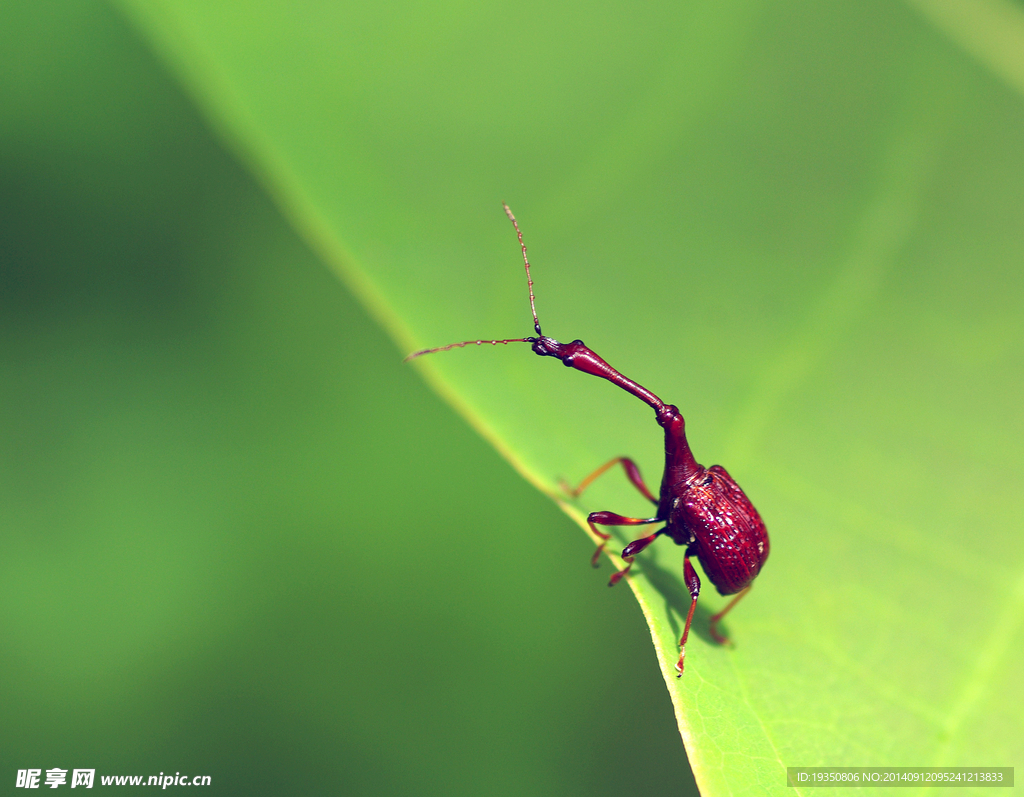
{"type": "Point", "coordinates": [693, 584]}
{"type": "Point", "coordinates": [632, 473]}
{"type": "Point", "coordinates": [721, 640]}
{"type": "Point", "coordinates": [632, 550]}
{"type": "Point", "coordinates": [612, 519]}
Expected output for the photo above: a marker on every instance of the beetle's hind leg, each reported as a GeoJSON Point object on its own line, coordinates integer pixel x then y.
{"type": "Point", "coordinates": [722, 640]}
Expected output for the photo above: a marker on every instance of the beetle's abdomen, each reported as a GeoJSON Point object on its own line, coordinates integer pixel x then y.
{"type": "Point", "coordinates": [731, 539]}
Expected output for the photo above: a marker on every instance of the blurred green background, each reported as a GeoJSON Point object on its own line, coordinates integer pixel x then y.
{"type": "Point", "coordinates": [220, 487]}
{"type": "Point", "coordinates": [242, 539]}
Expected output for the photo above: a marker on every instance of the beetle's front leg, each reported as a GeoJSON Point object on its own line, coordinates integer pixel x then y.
{"type": "Point", "coordinates": [612, 519]}
{"type": "Point", "coordinates": [632, 473]}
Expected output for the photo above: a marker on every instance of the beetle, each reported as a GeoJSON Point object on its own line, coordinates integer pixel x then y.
{"type": "Point", "coordinates": [703, 509]}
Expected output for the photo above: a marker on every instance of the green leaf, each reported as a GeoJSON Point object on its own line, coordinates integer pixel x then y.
{"type": "Point", "coordinates": [800, 222]}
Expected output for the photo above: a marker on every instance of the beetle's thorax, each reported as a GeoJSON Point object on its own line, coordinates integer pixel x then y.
{"type": "Point", "coordinates": [676, 527]}
{"type": "Point", "coordinates": [681, 469]}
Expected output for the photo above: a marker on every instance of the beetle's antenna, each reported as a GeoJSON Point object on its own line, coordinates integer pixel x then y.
{"type": "Point", "coordinates": [529, 279]}
{"type": "Point", "coordinates": [533, 307]}
{"type": "Point", "coordinates": [466, 343]}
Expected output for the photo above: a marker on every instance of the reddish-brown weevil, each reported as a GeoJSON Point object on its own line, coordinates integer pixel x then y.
{"type": "Point", "coordinates": [702, 508]}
